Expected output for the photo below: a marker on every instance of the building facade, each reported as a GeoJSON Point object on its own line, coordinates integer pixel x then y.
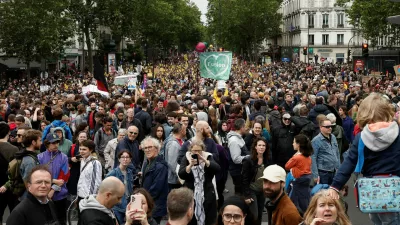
{"type": "Point", "coordinates": [321, 27]}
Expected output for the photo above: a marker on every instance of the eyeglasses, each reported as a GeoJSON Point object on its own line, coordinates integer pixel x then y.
{"type": "Point", "coordinates": [286, 119]}
{"type": "Point", "coordinates": [327, 127]}
{"type": "Point", "coordinates": [134, 133]}
{"type": "Point", "coordinates": [236, 217]}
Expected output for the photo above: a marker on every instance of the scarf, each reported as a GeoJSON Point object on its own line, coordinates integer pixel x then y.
{"type": "Point", "coordinates": [198, 174]}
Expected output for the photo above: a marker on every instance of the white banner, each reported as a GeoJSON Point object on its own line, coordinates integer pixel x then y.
{"type": "Point", "coordinates": [93, 88]}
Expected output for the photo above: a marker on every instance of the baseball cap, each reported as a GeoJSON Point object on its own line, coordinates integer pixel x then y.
{"type": "Point", "coordinates": [52, 138]}
{"type": "Point", "coordinates": [274, 173]}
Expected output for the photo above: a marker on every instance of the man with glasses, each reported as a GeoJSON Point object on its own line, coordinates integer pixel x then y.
{"type": "Point", "coordinates": [155, 176]}
{"type": "Point", "coordinates": [326, 156]}
{"type": "Point", "coordinates": [37, 207]}
{"type": "Point", "coordinates": [131, 144]}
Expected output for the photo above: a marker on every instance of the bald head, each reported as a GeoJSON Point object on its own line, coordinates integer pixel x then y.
{"type": "Point", "coordinates": [201, 125]}
{"type": "Point", "coordinates": [110, 184]}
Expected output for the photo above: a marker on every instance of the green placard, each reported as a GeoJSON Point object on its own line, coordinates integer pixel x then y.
{"type": "Point", "coordinates": [296, 50]}
{"type": "Point", "coordinates": [215, 65]}
{"type": "Point", "coordinates": [310, 50]}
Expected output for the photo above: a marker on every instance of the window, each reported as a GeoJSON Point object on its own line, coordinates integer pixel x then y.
{"type": "Point", "coordinates": [340, 39]}
{"type": "Point", "coordinates": [311, 20]}
{"type": "Point", "coordinates": [325, 20]}
{"type": "Point", "coordinates": [311, 39]}
{"type": "Point", "coordinates": [325, 39]}
{"type": "Point", "coordinates": [340, 20]}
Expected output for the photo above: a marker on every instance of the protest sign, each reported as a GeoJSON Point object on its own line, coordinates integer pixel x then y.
{"type": "Point", "coordinates": [215, 65]}
{"type": "Point", "coordinates": [93, 88]}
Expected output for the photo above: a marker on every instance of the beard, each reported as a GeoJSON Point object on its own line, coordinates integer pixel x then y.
{"type": "Point", "coordinates": [272, 194]}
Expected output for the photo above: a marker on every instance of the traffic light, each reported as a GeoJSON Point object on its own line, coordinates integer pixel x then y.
{"type": "Point", "coordinates": [349, 52]}
{"type": "Point", "coordinates": [305, 51]}
{"type": "Point", "coordinates": [365, 50]}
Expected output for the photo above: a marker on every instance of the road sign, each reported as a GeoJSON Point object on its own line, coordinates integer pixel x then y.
{"type": "Point", "coordinates": [310, 50]}
{"type": "Point", "coordinates": [322, 59]}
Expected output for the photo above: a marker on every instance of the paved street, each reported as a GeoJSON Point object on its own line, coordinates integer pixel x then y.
{"type": "Point", "coordinates": [356, 217]}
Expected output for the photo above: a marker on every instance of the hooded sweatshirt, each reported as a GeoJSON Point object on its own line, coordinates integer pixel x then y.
{"type": "Point", "coordinates": [238, 150]}
{"type": "Point", "coordinates": [92, 212]}
{"type": "Point", "coordinates": [381, 153]}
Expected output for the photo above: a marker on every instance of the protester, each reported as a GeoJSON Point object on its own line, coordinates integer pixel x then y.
{"type": "Point", "coordinates": [59, 167]}
{"type": "Point", "coordinates": [74, 159]}
{"type": "Point", "coordinates": [252, 170]}
{"type": "Point", "coordinates": [37, 208]}
{"type": "Point", "coordinates": [281, 209]}
{"type": "Point", "coordinates": [143, 215]}
{"type": "Point", "coordinates": [155, 176]}
{"type": "Point", "coordinates": [7, 152]}
{"type": "Point", "coordinates": [109, 151]}
{"type": "Point", "coordinates": [234, 211]}
{"type": "Point", "coordinates": [380, 154]}
{"type": "Point", "coordinates": [97, 209]}
{"type": "Point", "coordinates": [325, 210]}
{"type": "Point", "coordinates": [180, 206]}
{"type": "Point", "coordinates": [198, 173]}
{"type": "Point", "coordinates": [90, 170]}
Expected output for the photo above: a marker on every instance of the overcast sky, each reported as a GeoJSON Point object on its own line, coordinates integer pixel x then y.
{"type": "Point", "coordinates": [202, 4]}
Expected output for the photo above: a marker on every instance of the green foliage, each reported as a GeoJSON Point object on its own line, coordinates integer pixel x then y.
{"type": "Point", "coordinates": [243, 24]}
{"type": "Point", "coordinates": [369, 17]}
{"type": "Point", "coordinates": [32, 30]}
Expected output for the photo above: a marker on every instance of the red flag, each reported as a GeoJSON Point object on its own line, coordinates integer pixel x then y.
{"type": "Point", "coordinates": [98, 74]}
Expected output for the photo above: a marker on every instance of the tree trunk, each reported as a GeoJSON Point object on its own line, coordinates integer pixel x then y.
{"type": "Point", "coordinates": [89, 46]}
{"type": "Point", "coordinates": [28, 72]}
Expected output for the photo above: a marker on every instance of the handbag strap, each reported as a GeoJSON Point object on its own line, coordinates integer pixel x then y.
{"type": "Point", "coordinates": [52, 158]}
{"type": "Point", "coordinates": [360, 161]}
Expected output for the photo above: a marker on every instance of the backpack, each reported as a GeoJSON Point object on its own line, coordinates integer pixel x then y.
{"type": "Point", "coordinates": [17, 185]}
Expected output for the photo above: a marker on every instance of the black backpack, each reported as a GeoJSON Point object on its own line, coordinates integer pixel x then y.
{"type": "Point", "coordinates": [308, 130]}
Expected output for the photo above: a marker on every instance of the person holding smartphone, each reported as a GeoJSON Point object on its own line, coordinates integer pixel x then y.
{"type": "Point", "coordinates": [198, 169]}
{"type": "Point", "coordinates": [139, 212]}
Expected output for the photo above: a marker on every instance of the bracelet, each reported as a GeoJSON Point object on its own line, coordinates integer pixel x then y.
{"type": "Point", "coordinates": [334, 189]}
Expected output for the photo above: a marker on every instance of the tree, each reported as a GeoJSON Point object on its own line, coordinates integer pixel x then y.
{"type": "Point", "coordinates": [369, 17]}
{"type": "Point", "coordinates": [32, 30]}
{"type": "Point", "coordinates": [243, 25]}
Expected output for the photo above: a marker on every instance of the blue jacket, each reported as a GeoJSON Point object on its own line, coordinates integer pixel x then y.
{"type": "Point", "coordinates": [132, 147]}
{"type": "Point", "coordinates": [121, 207]}
{"type": "Point", "coordinates": [155, 181]}
{"type": "Point", "coordinates": [326, 155]}
{"type": "Point", "coordinates": [348, 127]}
{"type": "Point", "coordinates": [57, 123]}
{"type": "Point", "coordinates": [375, 163]}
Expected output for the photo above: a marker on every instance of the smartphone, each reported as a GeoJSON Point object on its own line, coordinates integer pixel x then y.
{"type": "Point", "coordinates": [78, 157]}
{"type": "Point", "coordinates": [196, 157]}
{"type": "Point", "coordinates": [136, 202]}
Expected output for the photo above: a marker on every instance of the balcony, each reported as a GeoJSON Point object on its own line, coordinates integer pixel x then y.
{"type": "Point", "coordinates": [340, 25]}
{"type": "Point", "coordinates": [310, 43]}
{"type": "Point", "coordinates": [311, 26]}
{"type": "Point", "coordinates": [340, 43]}
{"type": "Point", "coordinates": [325, 26]}
{"type": "Point", "coordinates": [325, 43]}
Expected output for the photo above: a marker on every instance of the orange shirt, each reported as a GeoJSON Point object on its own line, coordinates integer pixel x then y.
{"type": "Point", "coordinates": [299, 164]}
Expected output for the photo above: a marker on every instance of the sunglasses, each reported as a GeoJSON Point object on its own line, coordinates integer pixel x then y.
{"type": "Point", "coordinates": [286, 119]}
{"type": "Point", "coordinates": [327, 127]}
{"type": "Point", "coordinates": [134, 133]}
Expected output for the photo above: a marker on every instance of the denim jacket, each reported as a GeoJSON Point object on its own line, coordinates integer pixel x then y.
{"type": "Point", "coordinates": [326, 155]}
{"type": "Point", "coordinates": [121, 207]}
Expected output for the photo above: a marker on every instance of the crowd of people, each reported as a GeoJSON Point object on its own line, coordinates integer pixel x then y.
{"type": "Point", "coordinates": [274, 129]}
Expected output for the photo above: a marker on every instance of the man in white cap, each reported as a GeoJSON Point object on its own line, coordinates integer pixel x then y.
{"type": "Point", "coordinates": [281, 209]}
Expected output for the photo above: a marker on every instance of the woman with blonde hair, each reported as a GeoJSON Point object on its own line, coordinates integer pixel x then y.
{"type": "Point", "coordinates": [325, 210]}
{"type": "Point", "coordinates": [380, 136]}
